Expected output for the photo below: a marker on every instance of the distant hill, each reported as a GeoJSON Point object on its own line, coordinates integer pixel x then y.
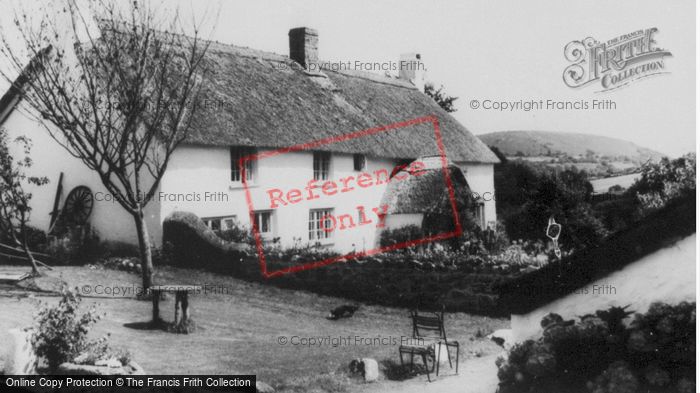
{"type": "Point", "coordinates": [557, 144]}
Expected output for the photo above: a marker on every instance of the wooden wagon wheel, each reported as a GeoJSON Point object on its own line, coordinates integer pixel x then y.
{"type": "Point", "coordinates": [78, 205]}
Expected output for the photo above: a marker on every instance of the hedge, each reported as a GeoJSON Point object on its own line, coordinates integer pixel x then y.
{"type": "Point", "coordinates": [190, 243]}
{"type": "Point", "coordinates": [654, 232]}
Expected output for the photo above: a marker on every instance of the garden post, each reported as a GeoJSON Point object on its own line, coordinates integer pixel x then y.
{"type": "Point", "coordinates": [155, 296]}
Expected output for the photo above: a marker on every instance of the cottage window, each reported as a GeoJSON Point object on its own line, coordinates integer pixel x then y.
{"type": "Point", "coordinates": [322, 165]}
{"type": "Point", "coordinates": [215, 225]}
{"type": "Point", "coordinates": [359, 162]}
{"type": "Point", "coordinates": [263, 221]}
{"type": "Point", "coordinates": [220, 223]}
{"type": "Point", "coordinates": [228, 223]}
{"type": "Point", "coordinates": [320, 225]}
{"type": "Point", "coordinates": [237, 152]}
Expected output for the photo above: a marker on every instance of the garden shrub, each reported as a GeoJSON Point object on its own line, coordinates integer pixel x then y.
{"type": "Point", "coordinates": [599, 354]}
{"type": "Point", "coordinates": [664, 181]}
{"type": "Point", "coordinates": [74, 245]}
{"type": "Point", "coordinates": [100, 349]}
{"type": "Point", "coordinates": [237, 234]}
{"type": "Point", "coordinates": [618, 214]}
{"type": "Point", "coordinates": [659, 184]}
{"type": "Point", "coordinates": [395, 285]}
{"type": "Point", "coordinates": [495, 239]}
{"type": "Point", "coordinates": [390, 237]}
{"type": "Point", "coordinates": [525, 253]}
{"type": "Point", "coordinates": [36, 238]}
{"type": "Point", "coordinates": [528, 194]}
{"type": "Point", "coordinates": [299, 253]}
{"type": "Point", "coordinates": [191, 243]}
{"type": "Point", "coordinates": [61, 334]}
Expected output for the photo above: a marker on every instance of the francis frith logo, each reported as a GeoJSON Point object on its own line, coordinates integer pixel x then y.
{"type": "Point", "coordinates": [616, 62]}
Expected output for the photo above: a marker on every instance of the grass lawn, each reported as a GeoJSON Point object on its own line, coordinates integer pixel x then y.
{"type": "Point", "coordinates": [239, 328]}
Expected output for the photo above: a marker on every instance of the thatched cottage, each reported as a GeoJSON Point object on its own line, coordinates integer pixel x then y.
{"type": "Point", "coordinates": [257, 102]}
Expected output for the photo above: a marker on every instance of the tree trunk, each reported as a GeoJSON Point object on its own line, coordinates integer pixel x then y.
{"type": "Point", "coordinates": [30, 257]}
{"type": "Point", "coordinates": [25, 248]}
{"type": "Point", "coordinates": [145, 251]}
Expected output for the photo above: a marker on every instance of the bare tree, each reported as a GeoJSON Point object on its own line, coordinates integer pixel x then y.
{"type": "Point", "coordinates": [14, 200]}
{"type": "Point", "coordinates": [117, 89]}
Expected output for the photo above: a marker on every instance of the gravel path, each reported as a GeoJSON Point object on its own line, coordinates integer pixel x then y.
{"type": "Point", "coordinates": [476, 375]}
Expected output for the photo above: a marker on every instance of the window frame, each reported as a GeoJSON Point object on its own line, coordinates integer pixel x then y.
{"type": "Point", "coordinates": [359, 158]}
{"type": "Point", "coordinates": [314, 228]}
{"type": "Point", "coordinates": [209, 221]}
{"type": "Point", "coordinates": [235, 154]}
{"type": "Point", "coordinates": [270, 224]}
{"type": "Point", "coordinates": [320, 158]}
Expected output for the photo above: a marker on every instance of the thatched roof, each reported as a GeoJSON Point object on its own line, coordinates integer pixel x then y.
{"type": "Point", "coordinates": [263, 99]}
{"type": "Point", "coordinates": [421, 193]}
{"type": "Point", "coordinates": [256, 98]}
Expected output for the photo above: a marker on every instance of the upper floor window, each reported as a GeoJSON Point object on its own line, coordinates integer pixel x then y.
{"type": "Point", "coordinates": [359, 162]}
{"type": "Point", "coordinates": [237, 152]}
{"type": "Point", "coordinates": [322, 165]}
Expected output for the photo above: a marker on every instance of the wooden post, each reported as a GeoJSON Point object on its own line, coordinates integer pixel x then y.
{"type": "Point", "coordinates": [54, 213]}
{"type": "Point", "coordinates": [155, 296]}
{"type": "Point", "coordinates": [177, 306]}
{"type": "Point", "coordinates": [185, 307]}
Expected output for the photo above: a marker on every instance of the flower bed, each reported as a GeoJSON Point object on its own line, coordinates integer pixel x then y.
{"type": "Point", "coordinates": [389, 279]}
{"type": "Point", "coordinates": [459, 278]}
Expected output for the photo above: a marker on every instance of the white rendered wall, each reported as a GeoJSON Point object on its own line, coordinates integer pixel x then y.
{"type": "Point", "coordinates": [108, 218]}
{"type": "Point", "coordinates": [200, 171]}
{"type": "Point", "coordinates": [480, 180]}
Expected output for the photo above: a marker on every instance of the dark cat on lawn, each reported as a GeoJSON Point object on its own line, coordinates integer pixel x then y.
{"type": "Point", "coordinates": [344, 311]}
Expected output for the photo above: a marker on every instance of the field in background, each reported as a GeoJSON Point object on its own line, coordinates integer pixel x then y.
{"type": "Point", "coordinates": [602, 185]}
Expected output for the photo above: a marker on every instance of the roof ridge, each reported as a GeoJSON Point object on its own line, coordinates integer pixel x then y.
{"type": "Point", "coordinates": [272, 56]}
{"type": "Point", "coordinates": [366, 75]}
{"type": "Point", "coordinates": [377, 78]}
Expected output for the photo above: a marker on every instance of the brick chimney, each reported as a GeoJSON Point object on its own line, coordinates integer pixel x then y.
{"type": "Point", "coordinates": [412, 69]}
{"type": "Point", "coordinates": [303, 47]}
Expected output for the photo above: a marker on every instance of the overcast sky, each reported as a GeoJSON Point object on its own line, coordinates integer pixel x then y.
{"type": "Point", "coordinates": [495, 50]}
